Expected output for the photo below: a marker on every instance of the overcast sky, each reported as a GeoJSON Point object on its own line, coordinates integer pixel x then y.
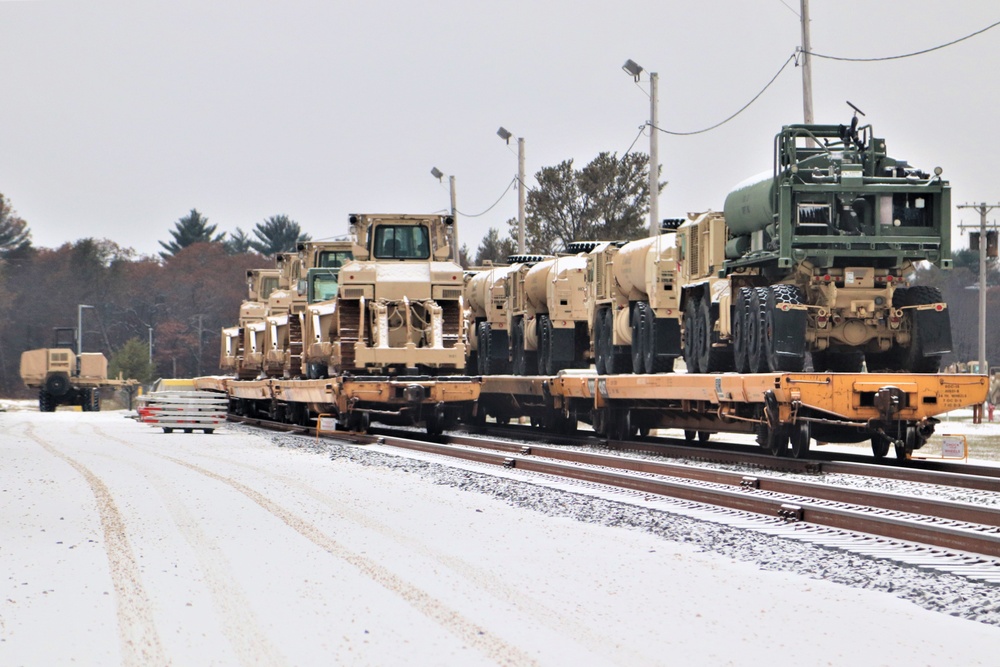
{"type": "Point", "coordinates": [118, 118]}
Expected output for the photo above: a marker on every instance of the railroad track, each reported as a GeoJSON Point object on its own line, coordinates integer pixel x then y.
{"type": "Point", "coordinates": [959, 537]}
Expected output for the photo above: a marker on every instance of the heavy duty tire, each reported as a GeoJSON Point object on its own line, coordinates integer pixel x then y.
{"type": "Point", "coordinates": [45, 402]}
{"type": "Point", "coordinates": [657, 361]}
{"type": "Point", "coordinates": [640, 336]}
{"type": "Point", "coordinates": [545, 344]}
{"type": "Point", "coordinates": [691, 358]}
{"type": "Point", "coordinates": [57, 384]}
{"type": "Point", "coordinates": [517, 347]}
{"type": "Point", "coordinates": [756, 337]}
{"type": "Point", "coordinates": [710, 359]}
{"type": "Point", "coordinates": [602, 347]}
{"type": "Point", "coordinates": [913, 358]}
{"type": "Point", "coordinates": [483, 338]}
{"type": "Point", "coordinates": [741, 313]}
{"type": "Point", "coordinates": [779, 294]}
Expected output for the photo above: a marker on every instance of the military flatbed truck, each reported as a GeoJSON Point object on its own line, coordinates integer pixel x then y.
{"type": "Point", "coordinates": [65, 378]}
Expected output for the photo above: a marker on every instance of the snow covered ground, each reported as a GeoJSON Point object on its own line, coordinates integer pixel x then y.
{"type": "Point", "coordinates": [123, 545]}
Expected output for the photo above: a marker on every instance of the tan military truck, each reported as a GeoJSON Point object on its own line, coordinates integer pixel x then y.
{"type": "Point", "coordinates": [64, 378]}
{"type": "Point", "coordinates": [240, 344]}
{"type": "Point", "coordinates": [487, 320]}
{"type": "Point", "coordinates": [706, 298]}
{"type": "Point", "coordinates": [635, 326]}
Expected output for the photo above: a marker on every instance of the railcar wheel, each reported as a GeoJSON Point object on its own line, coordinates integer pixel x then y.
{"type": "Point", "coordinates": [741, 314]}
{"type": "Point", "coordinates": [777, 441]}
{"type": "Point", "coordinates": [167, 429]}
{"type": "Point", "coordinates": [691, 357]}
{"type": "Point", "coordinates": [434, 420]}
{"type": "Point", "coordinates": [911, 442]}
{"type": "Point", "coordinates": [880, 446]}
{"type": "Point", "coordinates": [800, 439]}
{"type": "Point", "coordinates": [690, 435]}
{"type": "Point", "coordinates": [704, 436]}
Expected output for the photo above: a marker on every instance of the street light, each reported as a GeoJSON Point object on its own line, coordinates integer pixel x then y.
{"type": "Point", "coordinates": [506, 136]}
{"type": "Point", "coordinates": [438, 174]}
{"type": "Point", "coordinates": [634, 69]}
{"type": "Point", "coordinates": [79, 328]}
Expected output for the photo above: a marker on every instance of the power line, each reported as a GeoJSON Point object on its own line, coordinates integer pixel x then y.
{"type": "Point", "coordinates": [741, 110]}
{"type": "Point", "coordinates": [642, 130]}
{"type": "Point", "coordinates": [905, 55]}
{"type": "Point", "coordinates": [509, 186]}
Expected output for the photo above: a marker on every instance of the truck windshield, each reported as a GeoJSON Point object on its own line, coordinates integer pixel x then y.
{"type": "Point", "coordinates": [401, 242]}
{"type": "Point", "coordinates": [334, 259]}
{"type": "Point", "coordinates": [324, 287]}
{"type": "Point", "coordinates": [268, 285]}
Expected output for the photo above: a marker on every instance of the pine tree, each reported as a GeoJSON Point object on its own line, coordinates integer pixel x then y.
{"type": "Point", "coordinates": [191, 229]}
{"type": "Point", "coordinates": [277, 234]}
{"type": "Point", "coordinates": [239, 242]}
{"type": "Point", "coordinates": [14, 233]}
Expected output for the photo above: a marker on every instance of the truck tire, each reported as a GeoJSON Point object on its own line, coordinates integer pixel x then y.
{"type": "Point", "coordinates": [691, 357]}
{"type": "Point", "coordinates": [741, 346]}
{"type": "Point", "coordinates": [914, 358]}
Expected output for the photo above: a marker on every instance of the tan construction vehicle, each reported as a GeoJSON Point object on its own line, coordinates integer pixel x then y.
{"type": "Point", "coordinates": [319, 284]}
{"type": "Point", "coordinates": [282, 322]}
{"type": "Point", "coordinates": [399, 302]}
{"type": "Point", "coordinates": [240, 344]}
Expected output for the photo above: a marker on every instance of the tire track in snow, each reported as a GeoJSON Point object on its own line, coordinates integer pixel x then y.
{"type": "Point", "coordinates": [552, 617]}
{"type": "Point", "coordinates": [239, 623]}
{"type": "Point", "coordinates": [494, 647]}
{"type": "Point", "coordinates": [140, 643]}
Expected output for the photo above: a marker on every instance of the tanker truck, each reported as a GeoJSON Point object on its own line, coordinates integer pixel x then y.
{"type": "Point", "coordinates": [486, 311]}
{"type": "Point", "coordinates": [635, 326]}
{"type": "Point", "coordinates": [820, 253]}
{"type": "Point", "coordinates": [549, 315]}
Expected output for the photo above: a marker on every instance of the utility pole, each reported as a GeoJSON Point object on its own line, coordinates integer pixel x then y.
{"type": "Point", "coordinates": [807, 85]}
{"type": "Point", "coordinates": [456, 253]}
{"type": "Point", "coordinates": [520, 195]}
{"type": "Point", "coordinates": [983, 209]}
{"type": "Point", "coordinates": [654, 156]}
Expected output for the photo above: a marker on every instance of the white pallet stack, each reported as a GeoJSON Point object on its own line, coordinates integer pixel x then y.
{"type": "Point", "coordinates": [183, 410]}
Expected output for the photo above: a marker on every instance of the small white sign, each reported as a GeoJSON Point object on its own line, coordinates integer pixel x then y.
{"type": "Point", "coordinates": [953, 446]}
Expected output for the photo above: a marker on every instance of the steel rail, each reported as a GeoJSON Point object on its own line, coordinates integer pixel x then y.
{"type": "Point", "coordinates": [946, 524]}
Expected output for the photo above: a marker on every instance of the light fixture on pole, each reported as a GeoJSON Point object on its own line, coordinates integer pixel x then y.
{"type": "Point", "coordinates": [438, 174]}
{"type": "Point", "coordinates": [634, 69]}
{"type": "Point", "coordinates": [79, 328]}
{"type": "Point", "coordinates": [506, 136]}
